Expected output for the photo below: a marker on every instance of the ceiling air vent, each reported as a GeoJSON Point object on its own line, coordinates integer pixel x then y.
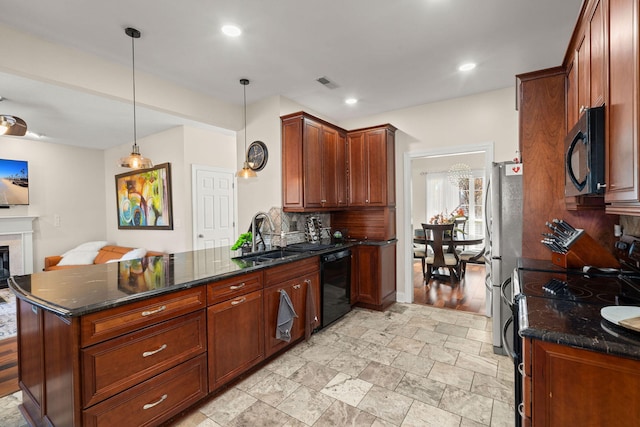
{"type": "Point", "coordinates": [326, 82]}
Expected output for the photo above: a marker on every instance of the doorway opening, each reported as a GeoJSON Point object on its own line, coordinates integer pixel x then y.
{"type": "Point", "coordinates": [447, 184]}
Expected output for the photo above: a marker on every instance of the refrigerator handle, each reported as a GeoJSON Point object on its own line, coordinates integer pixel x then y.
{"type": "Point", "coordinates": [487, 208]}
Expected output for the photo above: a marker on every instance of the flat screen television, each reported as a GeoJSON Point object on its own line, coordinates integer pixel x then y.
{"type": "Point", "coordinates": [14, 182]}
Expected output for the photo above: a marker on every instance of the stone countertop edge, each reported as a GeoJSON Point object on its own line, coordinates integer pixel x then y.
{"type": "Point", "coordinates": [87, 289]}
{"type": "Point", "coordinates": [577, 325]}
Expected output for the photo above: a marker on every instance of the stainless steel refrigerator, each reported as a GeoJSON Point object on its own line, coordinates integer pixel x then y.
{"type": "Point", "coordinates": [503, 214]}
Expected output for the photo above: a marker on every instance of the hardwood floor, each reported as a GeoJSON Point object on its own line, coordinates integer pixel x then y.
{"type": "Point", "coordinates": [469, 295]}
{"type": "Point", "coordinates": [8, 366]}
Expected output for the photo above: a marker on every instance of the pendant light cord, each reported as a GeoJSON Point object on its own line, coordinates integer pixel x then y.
{"type": "Point", "coordinates": [244, 89]}
{"type": "Point", "coordinates": [133, 61]}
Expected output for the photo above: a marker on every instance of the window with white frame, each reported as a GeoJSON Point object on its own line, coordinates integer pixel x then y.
{"type": "Point", "coordinates": [444, 197]}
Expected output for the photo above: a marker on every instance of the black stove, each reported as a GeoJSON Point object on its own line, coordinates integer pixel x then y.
{"type": "Point", "coordinates": [598, 286]}
{"type": "Point", "coordinates": [566, 292]}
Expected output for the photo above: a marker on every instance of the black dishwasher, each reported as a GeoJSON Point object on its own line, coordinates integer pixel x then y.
{"type": "Point", "coordinates": [335, 291]}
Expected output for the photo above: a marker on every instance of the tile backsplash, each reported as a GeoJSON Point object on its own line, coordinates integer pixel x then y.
{"type": "Point", "coordinates": [293, 224]}
{"type": "Point", "coordinates": [630, 225]}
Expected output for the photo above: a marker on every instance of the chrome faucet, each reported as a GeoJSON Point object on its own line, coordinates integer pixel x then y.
{"type": "Point", "coordinates": [272, 228]}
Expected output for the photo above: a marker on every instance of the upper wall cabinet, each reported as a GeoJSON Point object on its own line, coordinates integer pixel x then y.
{"type": "Point", "coordinates": [314, 169]}
{"type": "Point", "coordinates": [586, 67]}
{"type": "Point", "coordinates": [623, 192]}
{"type": "Point", "coordinates": [371, 160]}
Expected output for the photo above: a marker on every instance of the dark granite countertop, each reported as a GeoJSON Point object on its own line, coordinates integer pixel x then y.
{"type": "Point", "coordinates": [86, 289]}
{"type": "Point", "coordinates": [577, 325]}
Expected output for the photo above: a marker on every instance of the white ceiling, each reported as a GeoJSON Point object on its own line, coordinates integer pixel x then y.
{"type": "Point", "coordinates": [390, 54]}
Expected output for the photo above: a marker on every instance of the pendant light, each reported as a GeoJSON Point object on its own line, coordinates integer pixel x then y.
{"type": "Point", "coordinates": [134, 160]}
{"type": "Point", "coordinates": [246, 171]}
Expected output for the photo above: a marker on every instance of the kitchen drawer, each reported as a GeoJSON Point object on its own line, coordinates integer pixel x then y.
{"type": "Point", "coordinates": [113, 366]}
{"type": "Point", "coordinates": [103, 325]}
{"type": "Point", "coordinates": [284, 272]}
{"type": "Point", "coordinates": [231, 288]}
{"type": "Point", "coordinates": [154, 400]}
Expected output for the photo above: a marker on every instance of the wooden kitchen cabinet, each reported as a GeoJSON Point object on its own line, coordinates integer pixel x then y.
{"type": "Point", "coordinates": [234, 327]}
{"type": "Point", "coordinates": [376, 276]}
{"type": "Point", "coordinates": [294, 279]}
{"type": "Point", "coordinates": [621, 114]}
{"type": "Point", "coordinates": [586, 70]}
{"type": "Point", "coordinates": [314, 165]}
{"type": "Point", "coordinates": [571, 386]}
{"type": "Point", "coordinates": [82, 370]}
{"type": "Point", "coordinates": [371, 163]}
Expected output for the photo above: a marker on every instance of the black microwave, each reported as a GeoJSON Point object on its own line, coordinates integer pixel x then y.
{"type": "Point", "coordinates": [584, 155]}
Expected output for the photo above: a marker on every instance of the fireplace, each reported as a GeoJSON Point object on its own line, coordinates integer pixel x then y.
{"type": "Point", "coordinates": [5, 271]}
{"type": "Point", "coordinates": [16, 239]}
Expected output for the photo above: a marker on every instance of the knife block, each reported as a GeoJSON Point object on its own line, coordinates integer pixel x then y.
{"type": "Point", "coordinates": [584, 250]}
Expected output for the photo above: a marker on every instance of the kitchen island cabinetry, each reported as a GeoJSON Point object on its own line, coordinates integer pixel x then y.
{"type": "Point", "coordinates": [234, 327]}
{"type": "Point", "coordinates": [294, 279]}
{"type": "Point", "coordinates": [376, 275]}
{"type": "Point", "coordinates": [571, 386]}
{"type": "Point", "coordinates": [314, 169]}
{"type": "Point", "coordinates": [92, 370]}
{"type": "Point", "coordinates": [371, 159]}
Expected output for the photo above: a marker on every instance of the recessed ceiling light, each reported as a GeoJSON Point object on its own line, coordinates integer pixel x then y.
{"type": "Point", "coordinates": [351, 101]}
{"type": "Point", "coordinates": [231, 30]}
{"type": "Point", "coordinates": [467, 67]}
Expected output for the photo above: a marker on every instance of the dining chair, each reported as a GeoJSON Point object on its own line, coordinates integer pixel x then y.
{"type": "Point", "coordinates": [420, 251]}
{"type": "Point", "coordinates": [441, 236]}
{"type": "Point", "coordinates": [460, 228]}
{"type": "Point", "coordinates": [470, 257]}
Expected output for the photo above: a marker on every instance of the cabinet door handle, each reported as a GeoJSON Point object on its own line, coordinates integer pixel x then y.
{"type": "Point", "coordinates": [298, 286]}
{"type": "Point", "coordinates": [308, 282]}
{"type": "Point", "coordinates": [521, 368]}
{"type": "Point", "coordinates": [238, 301]}
{"type": "Point", "coordinates": [159, 401]}
{"type": "Point", "coordinates": [158, 310]}
{"type": "Point", "coordinates": [601, 186]}
{"type": "Point", "coordinates": [521, 409]}
{"type": "Point", "coordinates": [34, 309]}
{"type": "Point", "coordinates": [152, 352]}
{"type": "Point", "coordinates": [236, 287]}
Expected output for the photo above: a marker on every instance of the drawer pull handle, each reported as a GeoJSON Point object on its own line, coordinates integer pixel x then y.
{"type": "Point", "coordinates": [238, 301]}
{"type": "Point", "coordinates": [297, 286]}
{"type": "Point", "coordinates": [152, 352]}
{"type": "Point", "coordinates": [235, 288]}
{"type": "Point", "coordinates": [158, 310]}
{"type": "Point", "coordinates": [159, 401]}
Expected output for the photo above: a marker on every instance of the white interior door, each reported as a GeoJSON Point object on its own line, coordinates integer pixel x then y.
{"type": "Point", "coordinates": [214, 210]}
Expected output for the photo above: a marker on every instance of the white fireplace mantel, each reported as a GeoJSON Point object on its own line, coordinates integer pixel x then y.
{"type": "Point", "coordinates": [22, 227]}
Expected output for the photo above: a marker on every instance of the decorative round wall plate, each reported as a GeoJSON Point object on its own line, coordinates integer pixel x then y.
{"type": "Point", "coordinates": [257, 155]}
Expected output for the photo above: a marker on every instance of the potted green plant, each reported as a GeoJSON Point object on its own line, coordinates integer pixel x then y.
{"type": "Point", "coordinates": [243, 242]}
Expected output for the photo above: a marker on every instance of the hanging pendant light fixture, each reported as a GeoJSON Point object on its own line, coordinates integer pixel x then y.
{"type": "Point", "coordinates": [246, 171]}
{"type": "Point", "coordinates": [134, 160]}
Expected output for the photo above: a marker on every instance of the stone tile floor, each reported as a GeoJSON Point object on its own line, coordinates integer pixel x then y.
{"type": "Point", "coordinates": [413, 365]}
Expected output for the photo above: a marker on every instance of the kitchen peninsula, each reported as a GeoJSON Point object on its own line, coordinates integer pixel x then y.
{"type": "Point", "coordinates": [141, 341]}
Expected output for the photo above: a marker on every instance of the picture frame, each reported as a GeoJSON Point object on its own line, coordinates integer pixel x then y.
{"type": "Point", "coordinates": [143, 199]}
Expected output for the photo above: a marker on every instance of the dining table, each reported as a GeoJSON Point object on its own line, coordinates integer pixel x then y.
{"type": "Point", "coordinates": [458, 239]}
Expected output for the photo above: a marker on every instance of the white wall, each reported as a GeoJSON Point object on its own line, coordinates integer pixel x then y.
{"type": "Point", "coordinates": [64, 181]}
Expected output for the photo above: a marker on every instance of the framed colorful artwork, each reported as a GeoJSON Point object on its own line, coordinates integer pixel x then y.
{"type": "Point", "coordinates": [144, 199]}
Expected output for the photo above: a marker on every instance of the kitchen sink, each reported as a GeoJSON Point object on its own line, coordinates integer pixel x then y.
{"type": "Point", "coordinates": [267, 256]}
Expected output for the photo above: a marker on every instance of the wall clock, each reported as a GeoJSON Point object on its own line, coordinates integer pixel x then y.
{"type": "Point", "coordinates": [257, 155]}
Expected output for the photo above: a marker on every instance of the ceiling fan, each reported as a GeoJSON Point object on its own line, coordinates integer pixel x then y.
{"type": "Point", "coordinates": [12, 125]}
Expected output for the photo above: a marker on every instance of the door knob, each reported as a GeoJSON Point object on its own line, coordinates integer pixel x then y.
{"type": "Point", "coordinates": [201, 235]}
